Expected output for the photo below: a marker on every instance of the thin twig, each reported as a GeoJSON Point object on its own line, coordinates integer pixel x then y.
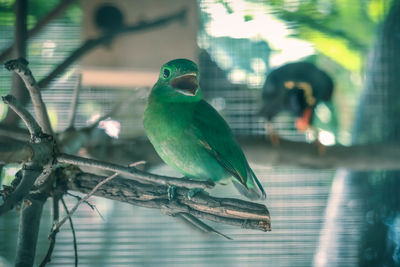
{"type": "Point", "coordinates": [20, 66]}
{"type": "Point", "coordinates": [85, 198]}
{"type": "Point", "coordinates": [31, 124]}
{"type": "Point", "coordinates": [106, 39]}
{"type": "Point", "coordinates": [92, 206]}
{"type": "Point", "coordinates": [133, 172]}
{"type": "Point", "coordinates": [56, 216]}
{"type": "Point", "coordinates": [74, 102]}
{"type": "Point", "coordinates": [72, 230]}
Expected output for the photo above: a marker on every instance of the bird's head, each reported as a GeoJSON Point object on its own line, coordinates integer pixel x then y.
{"type": "Point", "coordinates": [178, 82]}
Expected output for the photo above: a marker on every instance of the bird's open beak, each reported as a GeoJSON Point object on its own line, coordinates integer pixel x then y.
{"type": "Point", "coordinates": [303, 123]}
{"type": "Point", "coordinates": [186, 84]}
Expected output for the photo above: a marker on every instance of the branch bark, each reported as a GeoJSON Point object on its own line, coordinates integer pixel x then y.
{"type": "Point", "coordinates": [133, 173]}
{"type": "Point", "coordinates": [20, 66]}
{"type": "Point", "coordinates": [28, 232]}
{"type": "Point", "coordinates": [223, 210]}
{"type": "Point", "coordinates": [31, 124]}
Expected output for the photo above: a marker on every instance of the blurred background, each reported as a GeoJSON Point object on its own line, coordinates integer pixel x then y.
{"type": "Point", "coordinates": [319, 217]}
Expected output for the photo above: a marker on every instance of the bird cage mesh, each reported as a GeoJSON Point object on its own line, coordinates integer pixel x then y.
{"type": "Point", "coordinates": [233, 66]}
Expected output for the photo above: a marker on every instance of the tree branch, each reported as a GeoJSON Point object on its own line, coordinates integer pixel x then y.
{"type": "Point", "coordinates": [52, 237]}
{"type": "Point", "coordinates": [71, 224]}
{"type": "Point", "coordinates": [355, 157]}
{"type": "Point", "coordinates": [223, 210]}
{"type": "Point", "coordinates": [28, 232]}
{"type": "Point", "coordinates": [105, 39]}
{"type": "Point", "coordinates": [31, 124]}
{"type": "Point", "coordinates": [132, 172]}
{"type": "Point", "coordinates": [57, 226]}
{"type": "Point", "coordinates": [20, 66]}
{"type": "Point", "coordinates": [27, 178]}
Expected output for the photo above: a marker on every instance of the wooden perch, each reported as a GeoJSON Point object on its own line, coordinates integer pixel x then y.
{"type": "Point", "coordinates": [133, 172]}
{"type": "Point", "coordinates": [222, 210]}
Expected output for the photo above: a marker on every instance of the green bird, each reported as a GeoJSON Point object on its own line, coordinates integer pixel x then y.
{"type": "Point", "coordinates": [190, 135]}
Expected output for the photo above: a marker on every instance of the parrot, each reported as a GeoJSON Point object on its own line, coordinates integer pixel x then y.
{"type": "Point", "coordinates": [297, 87]}
{"type": "Point", "coordinates": [190, 135]}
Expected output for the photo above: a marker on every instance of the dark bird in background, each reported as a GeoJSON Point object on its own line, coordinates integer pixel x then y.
{"type": "Point", "coordinates": [295, 87]}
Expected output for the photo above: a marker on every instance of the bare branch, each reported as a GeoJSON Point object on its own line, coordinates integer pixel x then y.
{"type": "Point", "coordinates": [31, 124]}
{"type": "Point", "coordinates": [355, 157]}
{"type": "Point", "coordinates": [29, 175]}
{"type": "Point", "coordinates": [29, 223]}
{"type": "Point", "coordinates": [92, 206]}
{"type": "Point", "coordinates": [56, 227]}
{"type": "Point", "coordinates": [133, 172]}
{"type": "Point", "coordinates": [74, 102]}
{"type": "Point", "coordinates": [57, 11]}
{"type": "Point", "coordinates": [106, 39]}
{"type": "Point", "coordinates": [73, 232]}
{"type": "Point", "coordinates": [20, 66]}
{"type": "Point", "coordinates": [223, 210]}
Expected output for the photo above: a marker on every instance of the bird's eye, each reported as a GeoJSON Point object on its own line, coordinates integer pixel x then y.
{"type": "Point", "coordinates": [166, 73]}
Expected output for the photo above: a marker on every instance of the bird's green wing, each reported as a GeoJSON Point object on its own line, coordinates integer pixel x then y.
{"type": "Point", "coordinates": [216, 137]}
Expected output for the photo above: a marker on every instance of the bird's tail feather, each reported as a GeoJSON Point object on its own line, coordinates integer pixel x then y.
{"type": "Point", "coordinates": [255, 193]}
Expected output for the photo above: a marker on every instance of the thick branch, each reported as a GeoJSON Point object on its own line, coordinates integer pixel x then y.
{"type": "Point", "coordinates": [20, 66]}
{"type": "Point", "coordinates": [28, 232]}
{"type": "Point", "coordinates": [31, 124]}
{"type": "Point", "coordinates": [223, 210]}
{"type": "Point", "coordinates": [28, 177]}
{"type": "Point", "coordinates": [133, 172]}
{"type": "Point", "coordinates": [106, 39]}
{"type": "Point", "coordinates": [356, 157]}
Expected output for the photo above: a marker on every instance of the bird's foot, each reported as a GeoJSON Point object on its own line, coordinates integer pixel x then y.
{"type": "Point", "coordinates": [192, 192]}
{"type": "Point", "coordinates": [272, 134]}
{"type": "Point", "coordinates": [171, 192]}
{"type": "Point", "coordinates": [274, 138]}
{"type": "Point", "coordinates": [321, 149]}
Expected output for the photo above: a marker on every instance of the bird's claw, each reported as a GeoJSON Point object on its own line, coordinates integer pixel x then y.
{"type": "Point", "coordinates": [320, 148]}
{"type": "Point", "coordinates": [171, 192]}
{"type": "Point", "coordinates": [272, 134]}
{"type": "Point", "coordinates": [192, 192]}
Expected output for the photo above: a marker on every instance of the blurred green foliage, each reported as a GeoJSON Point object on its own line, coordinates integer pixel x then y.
{"type": "Point", "coordinates": [37, 9]}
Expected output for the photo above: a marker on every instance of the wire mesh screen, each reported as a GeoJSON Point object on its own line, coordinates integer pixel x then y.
{"type": "Point", "coordinates": [318, 217]}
